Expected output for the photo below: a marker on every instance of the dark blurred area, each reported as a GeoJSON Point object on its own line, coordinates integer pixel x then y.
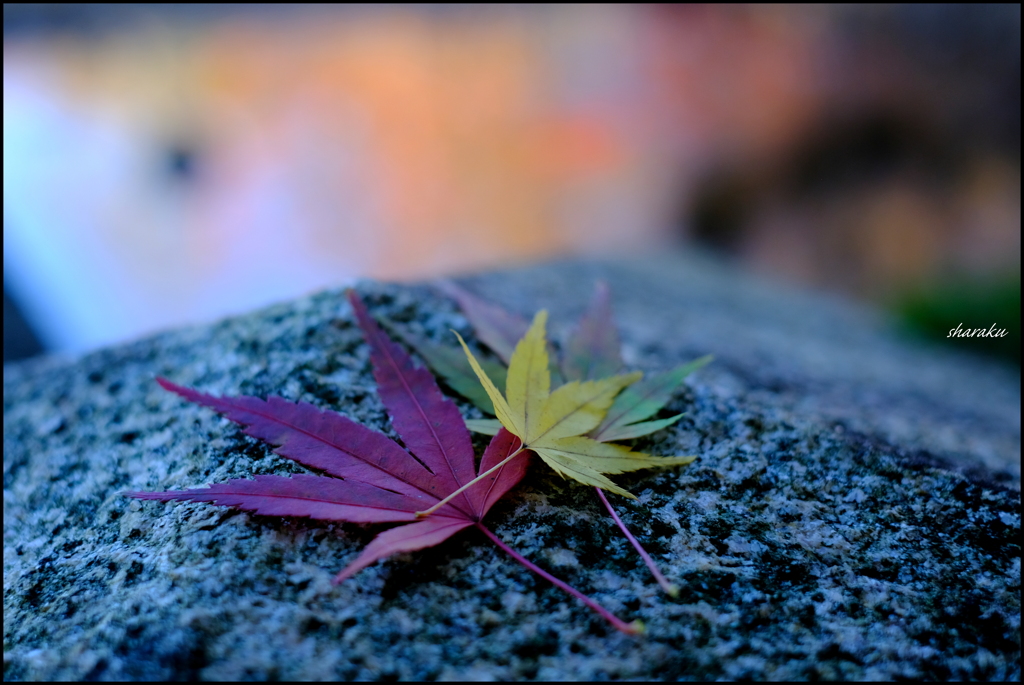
{"type": "Point", "coordinates": [906, 189]}
{"type": "Point", "coordinates": [19, 340]}
{"type": "Point", "coordinates": [169, 164]}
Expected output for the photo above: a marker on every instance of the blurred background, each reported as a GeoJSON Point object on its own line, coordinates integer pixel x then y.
{"type": "Point", "coordinates": [173, 164]}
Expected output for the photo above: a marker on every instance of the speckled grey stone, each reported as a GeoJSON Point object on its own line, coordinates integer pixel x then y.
{"type": "Point", "coordinates": [854, 512]}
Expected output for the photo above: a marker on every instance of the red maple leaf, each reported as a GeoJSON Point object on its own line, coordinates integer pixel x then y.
{"type": "Point", "coordinates": [372, 479]}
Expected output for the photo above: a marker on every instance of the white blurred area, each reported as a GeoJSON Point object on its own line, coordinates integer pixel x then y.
{"type": "Point", "coordinates": [105, 240]}
{"type": "Point", "coordinates": [99, 244]}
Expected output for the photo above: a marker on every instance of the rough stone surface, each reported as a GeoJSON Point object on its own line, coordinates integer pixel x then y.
{"type": "Point", "coordinates": [854, 512]}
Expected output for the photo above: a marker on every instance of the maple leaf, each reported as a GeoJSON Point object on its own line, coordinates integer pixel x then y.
{"type": "Point", "coordinates": [624, 419]}
{"type": "Point", "coordinates": [497, 328]}
{"type": "Point", "coordinates": [453, 366]}
{"type": "Point", "coordinates": [592, 351]}
{"type": "Point", "coordinates": [553, 424]}
{"type": "Point", "coordinates": [371, 478]}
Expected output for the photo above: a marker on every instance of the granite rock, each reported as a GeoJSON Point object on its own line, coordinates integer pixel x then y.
{"type": "Point", "coordinates": [854, 511]}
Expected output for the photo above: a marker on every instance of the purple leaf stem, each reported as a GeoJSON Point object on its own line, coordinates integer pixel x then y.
{"type": "Point", "coordinates": [662, 581]}
{"type": "Point", "coordinates": [634, 628]}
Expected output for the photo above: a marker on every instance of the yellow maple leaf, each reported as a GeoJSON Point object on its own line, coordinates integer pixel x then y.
{"type": "Point", "coordinates": [553, 424]}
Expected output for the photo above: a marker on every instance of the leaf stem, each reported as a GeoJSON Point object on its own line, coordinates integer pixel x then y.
{"type": "Point", "coordinates": [668, 587]}
{"type": "Point", "coordinates": [634, 628]}
{"type": "Point", "coordinates": [431, 510]}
